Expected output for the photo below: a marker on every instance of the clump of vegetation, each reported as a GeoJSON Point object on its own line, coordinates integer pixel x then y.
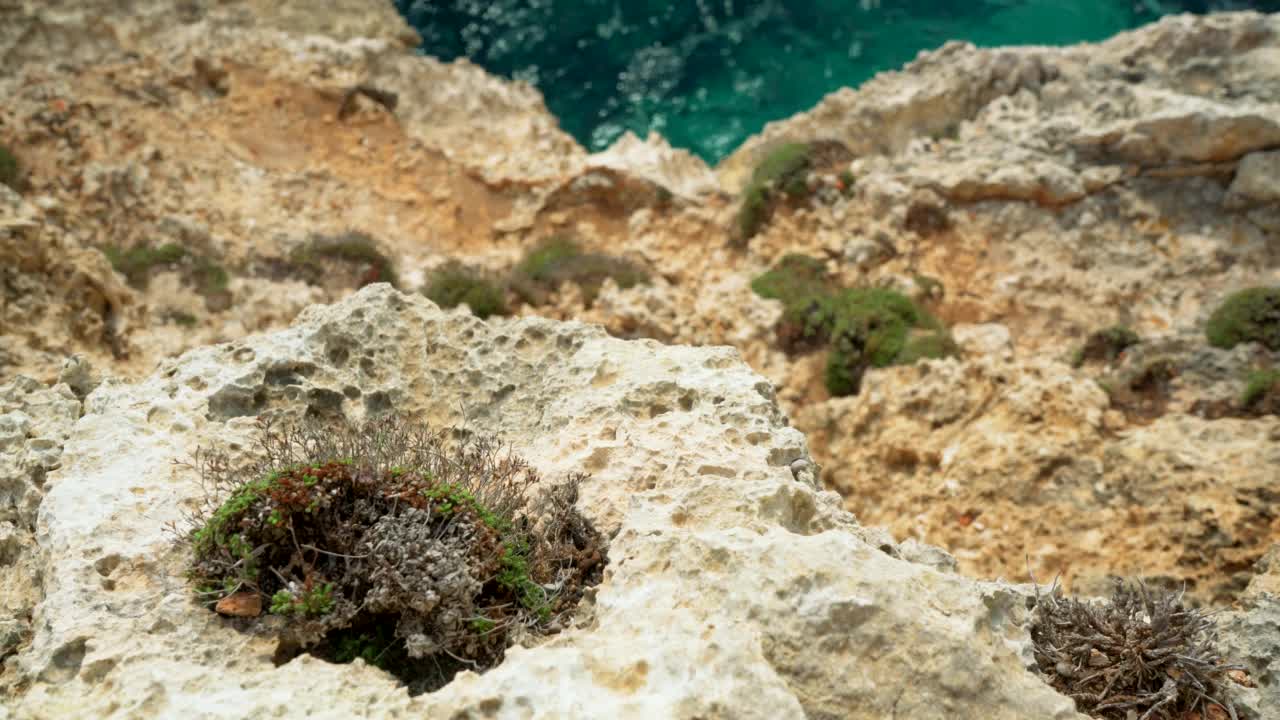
{"type": "Point", "coordinates": [420, 551]}
{"type": "Point", "coordinates": [181, 318]}
{"type": "Point", "coordinates": [138, 263]}
{"type": "Point", "coordinates": [863, 327]}
{"type": "Point", "coordinates": [454, 284]}
{"type": "Point", "coordinates": [784, 169]}
{"type": "Point", "coordinates": [560, 259]}
{"type": "Point", "coordinates": [1143, 654]}
{"type": "Point", "coordinates": [1261, 385]}
{"type": "Point", "coordinates": [1250, 315]}
{"type": "Point", "coordinates": [10, 171]}
{"type": "Point", "coordinates": [1105, 345]}
{"type": "Point", "coordinates": [804, 287]}
{"type": "Point", "coordinates": [875, 327]}
{"type": "Point", "coordinates": [314, 258]}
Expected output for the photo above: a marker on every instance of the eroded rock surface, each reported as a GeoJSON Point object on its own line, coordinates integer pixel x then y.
{"type": "Point", "coordinates": [733, 589]}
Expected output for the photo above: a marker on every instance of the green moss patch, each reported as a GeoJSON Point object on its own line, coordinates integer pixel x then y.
{"type": "Point", "coordinates": [352, 253]}
{"type": "Point", "coordinates": [10, 170]}
{"type": "Point", "coordinates": [1251, 315]}
{"type": "Point", "coordinates": [861, 327]}
{"type": "Point", "coordinates": [454, 284]}
{"type": "Point", "coordinates": [1262, 391]}
{"type": "Point", "coordinates": [804, 287]}
{"type": "Point", "coordinates": [873, 327]}
{"type": "Point", "coordinates": [561, 259]}
{"type": "Point", "coordinates": [387, 541]}
{"type": "Point", "coordinates": [137, 263]}
{"type": "Point", "coordinates": [206, 276]}
{"type": "Point", "coordinates": [783, 171]}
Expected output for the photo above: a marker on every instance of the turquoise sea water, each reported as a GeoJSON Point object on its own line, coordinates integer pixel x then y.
{"type": "Point", "coordinates": [708, 73]}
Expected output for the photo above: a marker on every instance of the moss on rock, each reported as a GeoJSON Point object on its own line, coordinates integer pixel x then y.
{"type": "Point", "coordinates": [783, 169]}
{"type": "Point", "coordinates": [1250, 315]}
{"type": "Point", "coordinates": [10, 170]}
{"type": "Point", "coordinates": [454, 284]}
{"type": "Point", "coordinates": [561, 259]}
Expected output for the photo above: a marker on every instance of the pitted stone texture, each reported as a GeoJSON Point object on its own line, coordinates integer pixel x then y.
{"type": "Point", "coordinates": [733, 590]}
{"type": "Point", "coordinates": [952, 451]}
{"type": "Point", "coordinates": [35, 421]}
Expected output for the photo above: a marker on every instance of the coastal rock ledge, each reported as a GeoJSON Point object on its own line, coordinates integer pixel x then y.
{"type": "Point", "coordinates": [734, 588]}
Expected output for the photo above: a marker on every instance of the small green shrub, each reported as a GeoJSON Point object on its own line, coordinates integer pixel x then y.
{"type": "Point", "coordinates": [137, 263]}
{"type": "Point", "coordinates": [1105, 345]}
{"type": "Point", "coordinates": [454, 284]}
{"type": "Point", "coordinates": [181, 318]}
{"type": "Point", "coordinates": [864, 327]}
{"type": "Point", "coordinates": [350, 248]}
{"type": "Point", "coordinates": [1251, 315]}
{"type": "Point", "coordinates": [413, 549]}
{"type": "Point", "coordinates": [870, 328]}
{"type": "Point", "coordinates": [10, 171]}
{"type": "Point", "coordinates": [932, 345]}
{"type": "Point", "coordinates": [1258, 385]}
{"type": "Point", "coordinates": [803, 285]}
{"type": "Point", "coordinates": [560, 259]}
{"type": "Point", "coordinates": [783, 169]}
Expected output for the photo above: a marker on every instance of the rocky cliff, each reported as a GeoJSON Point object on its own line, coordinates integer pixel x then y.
{"type": "Point", "coordinates": [193, 174]}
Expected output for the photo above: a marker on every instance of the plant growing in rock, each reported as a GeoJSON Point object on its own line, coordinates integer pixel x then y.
{"type": "Point", "coordinates": [136, 263]}
{"type": "Point", "coordinates": [454, 284]}
{"type": "Point", "coordinates": [561, 259]}
{"type": "Point", "coordinates": [208, 278]}
{"type": "Point", "coordinates": [10, 171]}
{"type": "Point", "coordinates": [804, 287]}
{"type": "Point", "coordinates": [863, 327]}
{"type": "Point", "coordinates": [1105, 345]}
{"type": "Point", "coordinates": [877, 327]}
{"type": "Point", "coordinates": [1250, 315]}
{"type": "Point", "coordinates": [314, 259]}
{"type": "Point", "coordinates": [421, 551]}
{"type": "Point", "coordinates": [1262, 391]}
{"type": "Point", "coordinates": [1143, 654]}
{"type": "Point", "coordinates": [784, 169]}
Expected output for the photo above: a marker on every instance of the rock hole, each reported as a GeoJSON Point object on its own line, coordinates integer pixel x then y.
{"type": "Point", "coordinates": [288, 374]}
{"type": "Point", "coordinates": [235, 401]}
{"type": "Point", "coordinates": [337, 354]}
{"type": "Point", "coordinates": [65, 663]}
{"type": "Point", "coordinates": [377, 402]}
{"type": "Point", "coordinates": [107, 564]}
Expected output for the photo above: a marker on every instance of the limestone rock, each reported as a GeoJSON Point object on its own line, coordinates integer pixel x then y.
{"type": "Point", "coordinates": [653, 158]}
{"type": "Point", "coordinates": [733, 590]}
{"type": "Point", "coordinates": [35, 422]}
{"type": "Point", "coordinates": [1257, 180]}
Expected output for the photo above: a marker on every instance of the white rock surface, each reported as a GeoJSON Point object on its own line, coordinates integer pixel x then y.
{"type": "Point", "coordinates": [732, 591]}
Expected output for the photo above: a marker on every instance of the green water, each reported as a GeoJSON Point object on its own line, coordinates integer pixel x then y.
{"type": "Point", "coordinates": [708, 73]}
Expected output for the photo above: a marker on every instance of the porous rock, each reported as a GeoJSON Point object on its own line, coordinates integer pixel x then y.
{"type": "Point", "coordinates": [732, 591]}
